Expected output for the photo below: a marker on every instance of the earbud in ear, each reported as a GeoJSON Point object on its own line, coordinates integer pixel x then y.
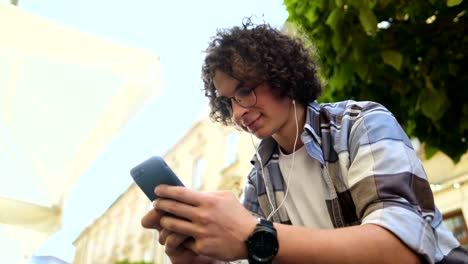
{"type": "Point", "coordinates": [294, 102]}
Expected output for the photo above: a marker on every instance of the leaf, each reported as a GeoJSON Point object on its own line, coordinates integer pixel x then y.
{"type": "Point", "coordinates": [362, 69]}
{"type": "Point", "coordinates": [392, 58]}
{"type": "Point", "coordinates": [359, 43]}
{"type": "Point", "coordinates": [451, 3]}
{"type": "Point", "coordinates": [453, 69]}
{"type": "Point", "coordinates": [433, 103]}
{"type": "Point", "coordinates": [368, 20]}
{"type": "Point", "coordinates": [430, 151]}
{"type": "Point", "coordinates": [464, 120]}
{"type": "Point", "coordinates": [336, 41]}
{"type": "Point", "coordinates": [311, 16]}
{"type": "Point", "coordinates": [341, 76]}
{"type": "Point", "coordinates": [334, 18]}
{"type": "Point", "coordinates": [334, 21]}
{"type": "Point", "coordinates": [359, 4]}
{"type": "Point", "coordinates": [301, 7]}
{"type": "Point", "coordinates": [399, 87]}
{"type": "Point", "coordinates": [383, 3]}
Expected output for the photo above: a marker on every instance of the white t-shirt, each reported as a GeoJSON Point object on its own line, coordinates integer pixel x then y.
{"type": "Point", "coordinates": [305, 201]}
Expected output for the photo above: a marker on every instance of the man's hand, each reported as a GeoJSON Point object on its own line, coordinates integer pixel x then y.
{"type": "Point", "coordinates": [217, 222]}
{"type": "Point", "coordinates": [173, 242]}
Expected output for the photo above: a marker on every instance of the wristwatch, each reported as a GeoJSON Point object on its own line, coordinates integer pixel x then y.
{"type": "Point", "coordinates": [262, 244]}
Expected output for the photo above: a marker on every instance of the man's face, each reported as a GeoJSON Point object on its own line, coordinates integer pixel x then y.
{"type": "Point", "coordinates": [267, 117]}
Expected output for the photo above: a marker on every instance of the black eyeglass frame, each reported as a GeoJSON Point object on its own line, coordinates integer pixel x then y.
{"type": "Point", "coordinates": [224, 101]}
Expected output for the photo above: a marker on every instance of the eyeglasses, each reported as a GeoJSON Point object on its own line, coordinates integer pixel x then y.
{"type": "Point", "coordinates": [244, 96]}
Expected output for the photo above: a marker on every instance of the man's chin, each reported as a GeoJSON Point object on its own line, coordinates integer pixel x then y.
{"type": "Point", "coordinates": [259, 135]}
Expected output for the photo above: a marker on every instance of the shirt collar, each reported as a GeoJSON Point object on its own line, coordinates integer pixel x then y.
{"type": "Point", "coordinates": [268, 146]}
{"type": "Point", "coordinates": [312, 123]}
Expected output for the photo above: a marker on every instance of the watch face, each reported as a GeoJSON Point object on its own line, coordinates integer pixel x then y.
{"type": "Point", "coordinates": [264, 246]}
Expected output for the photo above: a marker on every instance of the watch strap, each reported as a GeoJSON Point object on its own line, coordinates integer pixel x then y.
{"type": "Point", "coordinates": [264, 222]}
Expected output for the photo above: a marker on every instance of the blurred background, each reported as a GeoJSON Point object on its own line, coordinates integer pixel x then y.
{"type": "Point", "coordinates": [89, 89]}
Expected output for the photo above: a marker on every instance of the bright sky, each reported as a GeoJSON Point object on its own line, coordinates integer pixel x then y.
{"type": "Point", "coordinates": [178, 31]}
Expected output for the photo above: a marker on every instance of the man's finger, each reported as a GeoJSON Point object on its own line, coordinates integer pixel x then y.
{"type": "Point", "coordinates": [179, 193]}
{"type": "Point", "coordinates": [152, 219]}
{"type": "Point", "coordinates": [163, 234]}
{"type": "Point", "coordinates": [189, 243]}
{"type": "Point", "coordinates": [176, 208]}
{"type": "Point", "coordinates": [179, 251]}
{"type": "Point", "coordinates": [175, 240]}
{"type": "Point", "coordinates": [178, 225]}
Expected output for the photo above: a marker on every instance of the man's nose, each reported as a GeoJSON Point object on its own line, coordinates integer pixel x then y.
{"type": "Point", "coordinates": [238, 111]}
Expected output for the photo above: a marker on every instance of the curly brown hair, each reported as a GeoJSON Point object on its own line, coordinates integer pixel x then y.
{"type": "Point", "coordinates": [260, 53]}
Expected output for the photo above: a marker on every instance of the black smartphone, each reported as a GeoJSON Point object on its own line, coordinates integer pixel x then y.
{"type": "Point", "coordinates": [151, 173]}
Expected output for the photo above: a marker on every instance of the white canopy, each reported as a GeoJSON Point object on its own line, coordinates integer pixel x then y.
{"type": "Point", "coordinates": [63, 96]}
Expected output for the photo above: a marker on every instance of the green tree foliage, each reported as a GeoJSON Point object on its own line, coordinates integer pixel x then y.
{"type": "Point", "coordinates": [411, 56]}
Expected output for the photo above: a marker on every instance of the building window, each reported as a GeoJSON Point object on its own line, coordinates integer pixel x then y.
{"type": "Point", "coordinates": [456, 223]}
{"type": "Point", "coordinates": [231, 148]}
{"type": "Point", "coordinates": [198, 169]}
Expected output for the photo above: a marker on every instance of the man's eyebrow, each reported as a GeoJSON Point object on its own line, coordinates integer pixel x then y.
{"type": "Point", "coordinates": [238, 86]}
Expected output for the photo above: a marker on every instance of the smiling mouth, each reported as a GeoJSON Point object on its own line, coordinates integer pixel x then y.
{"type": "Point", "coordinates": [251, 124]}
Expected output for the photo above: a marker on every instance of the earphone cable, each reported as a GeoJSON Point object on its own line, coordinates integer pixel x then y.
{"type": "Point", "coordinates": [292, 165]}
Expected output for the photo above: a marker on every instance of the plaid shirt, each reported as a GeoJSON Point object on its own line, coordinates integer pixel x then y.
{"type": "Point", "coordinates": [372, 174]}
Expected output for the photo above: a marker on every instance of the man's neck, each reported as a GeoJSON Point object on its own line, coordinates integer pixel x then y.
{"type": "Point", "coordinates": [287, 137]}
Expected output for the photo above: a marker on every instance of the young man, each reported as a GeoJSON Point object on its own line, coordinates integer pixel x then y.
{"type": "Point", "coordinates": [331, 183]}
